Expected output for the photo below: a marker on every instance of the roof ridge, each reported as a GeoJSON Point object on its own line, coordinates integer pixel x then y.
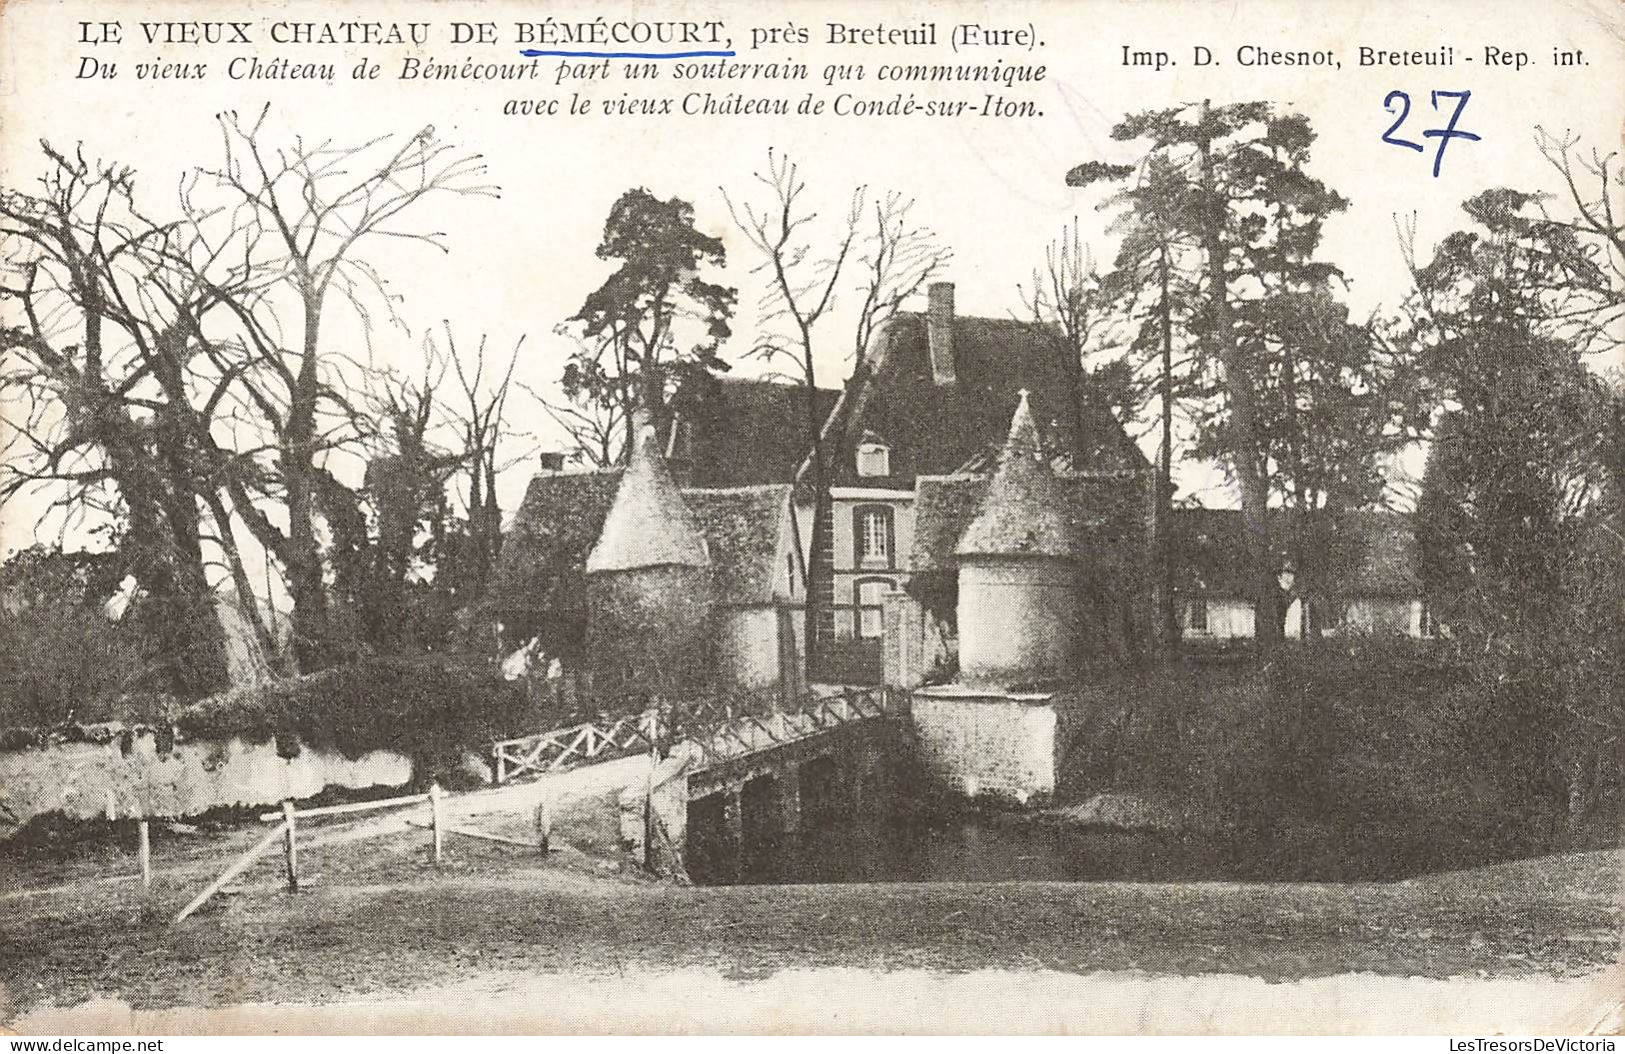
{"type": "Point", "coordinates": [937, 476]}
{"type": "Point", "coordinates": [751, 488]}
{"type": "Point", "coordinates": [774, 381]}
{"type": "Point", "coordinates": [962, 317]}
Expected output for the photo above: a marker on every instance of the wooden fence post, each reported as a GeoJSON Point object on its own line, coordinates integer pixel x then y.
{"type": "Point", "coordinates": [290, 846]}
{"type": "Point", "coordinates": [544, 816]}
{"type": "Point", "coordinates": [144, 851]}
{"type": "Point", "coordinates": [434, 818]}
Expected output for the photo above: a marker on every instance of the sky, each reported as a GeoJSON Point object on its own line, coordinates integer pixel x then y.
{"type": "Point", "coordinates": [992, 188]}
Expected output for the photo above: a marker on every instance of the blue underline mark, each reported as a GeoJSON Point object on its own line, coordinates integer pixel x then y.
{"type": "Point", "coordinates": [533, 53]}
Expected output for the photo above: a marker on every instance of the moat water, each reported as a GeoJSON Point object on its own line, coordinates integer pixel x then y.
{"type": "Point", "coordinates": [991, 847]}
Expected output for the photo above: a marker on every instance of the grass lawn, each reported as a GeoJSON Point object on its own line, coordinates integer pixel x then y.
{"type": "Point", "coordinates": [380, 923]}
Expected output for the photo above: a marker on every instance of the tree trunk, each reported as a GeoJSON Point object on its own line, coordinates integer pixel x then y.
{"type": "Point", "coordinates": [239, 576]}
{"type": "Point", "coordinates": [1168, 619]}
{"type": "Point", "coordinates": [200, 667]}
{"type": "Point", "coordinates": [1243, 424]}
{"type": "Point", "coordinates": [1579, 799]}
{"type": "Point", "coordinates": [820, 575]}
{"type": "Point", "coordinates": [651, 400]}
{"type": "Point", "coordinates": [304, 558]}
{"type": "Point", "coordinates": [153, 467]}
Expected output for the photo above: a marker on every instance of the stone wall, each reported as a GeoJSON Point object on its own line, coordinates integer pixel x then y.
{"type": "Point", "coordinates": [77, 779]}
{"type": "Point", "coordinates": [913, 644]}
{"type": "Point", "coordinates": [1005, 746]}
{"type": "Point", "coordinates": [656, 807]}
{"type": "Point", "coordinates": [1383, 615]}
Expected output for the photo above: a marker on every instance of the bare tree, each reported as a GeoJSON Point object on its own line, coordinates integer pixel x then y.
{"type": "Point", "coordinates": [101, 393]}
{"type": "Point", "coordinates": [894, 260]}
{"type": "Point", "coordinates": [300, 214]}
{"type": "Point", "coordinates": [480, 422]}
{"type": "Point", "coordinates": [1594, 189]}
{"type": "Point", "coordinates": [1065, 305]}
{"type": "Point", "coordinates": [601, 395]}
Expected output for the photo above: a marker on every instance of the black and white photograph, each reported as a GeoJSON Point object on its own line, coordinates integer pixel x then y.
{"type": "Point", "coordinates": [1077, 517]}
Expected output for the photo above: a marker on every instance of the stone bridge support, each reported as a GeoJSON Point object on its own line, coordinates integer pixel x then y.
{"type": "Point", "coordinates": [744, 817]}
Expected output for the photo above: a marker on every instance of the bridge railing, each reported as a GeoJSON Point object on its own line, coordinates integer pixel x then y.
{"type": "Point", "coordinates": [718, 732]}
{"type": "Point", "coordinates": [590, 740]}
{"type": "Point", "coordinates": [750, 733]}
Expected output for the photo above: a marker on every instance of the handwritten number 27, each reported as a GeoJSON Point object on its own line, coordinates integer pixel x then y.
{"type": "Point", "coordinates": [1443, 135]}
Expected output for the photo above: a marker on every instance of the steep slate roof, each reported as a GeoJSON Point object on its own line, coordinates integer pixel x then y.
{"type": "Point", "coordinates": [649, 524]}
{"type": "Point", "coordinates": [1105, 510]}
{"type": "Point", "coordinates": [545, 546]}
{"type": "Point", "coordinates": [1213, 552]}
{"type": "Point", "coordinates": [544, 550]}
{"type": "Point", "coordinates": [1024, 511]}
{"type": "Point", "coordinates": [739, 431]}
{"type": "Point", "coordinates": [936, 429]}
{"type": "Point", "coordinates": [743, 526]}
{"type": "Point", "coordinates": [735, 432]}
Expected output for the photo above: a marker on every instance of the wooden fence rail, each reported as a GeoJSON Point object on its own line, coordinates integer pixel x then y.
{"type": "Point", "coordinates": [288, 831]}
{"type": "Point", "coordinates": [237, 867]}
{"type": "Point", "coordinates": [716, 738]}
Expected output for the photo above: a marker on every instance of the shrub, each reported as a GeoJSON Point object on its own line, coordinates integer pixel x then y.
{"type": "Point", "coordinates": [1376, 735]}
{"type": "Point", "coordinates": [430, 711]}
{"type": "Point", "coordinates": [68, 663]}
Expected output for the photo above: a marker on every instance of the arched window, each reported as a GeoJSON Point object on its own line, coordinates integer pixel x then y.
{"type": "Point", "coordinates": [874, 542]}
{"type": "Point", "coordinates": [874, 456]}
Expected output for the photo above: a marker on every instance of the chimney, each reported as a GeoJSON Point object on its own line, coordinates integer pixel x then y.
{"type": "Point", "coordinates": [940, 331]}
{"type": "Point", "coordinates": [551, 461]}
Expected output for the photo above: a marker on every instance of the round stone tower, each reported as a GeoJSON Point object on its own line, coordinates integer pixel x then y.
{"type": "Point", "coordinates": [1018, 573]}
{"type": "Point", "coordinates": [648, 584]}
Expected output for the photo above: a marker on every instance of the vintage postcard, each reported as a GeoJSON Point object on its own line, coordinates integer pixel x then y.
{"type": "Point", "coordinates": [1086, 516]}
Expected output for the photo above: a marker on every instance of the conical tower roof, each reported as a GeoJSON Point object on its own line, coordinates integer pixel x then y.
{"type": "Point", "coordinates": [1025, 511]}
{"type": "Point", "coordinates": [648, 524]}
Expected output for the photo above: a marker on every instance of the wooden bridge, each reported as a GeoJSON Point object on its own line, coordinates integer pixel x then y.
{"type": "Point", "coordinates": [723, 783]}
{"type": "Point", "coordinates": [717, 736]}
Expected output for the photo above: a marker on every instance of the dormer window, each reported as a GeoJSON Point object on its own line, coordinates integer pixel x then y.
{"type": "Point", "coordinates": [874, 456]}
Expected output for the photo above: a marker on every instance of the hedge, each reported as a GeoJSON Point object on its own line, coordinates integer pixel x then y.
{"type": "Point", "coordinates": [430, 711]}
